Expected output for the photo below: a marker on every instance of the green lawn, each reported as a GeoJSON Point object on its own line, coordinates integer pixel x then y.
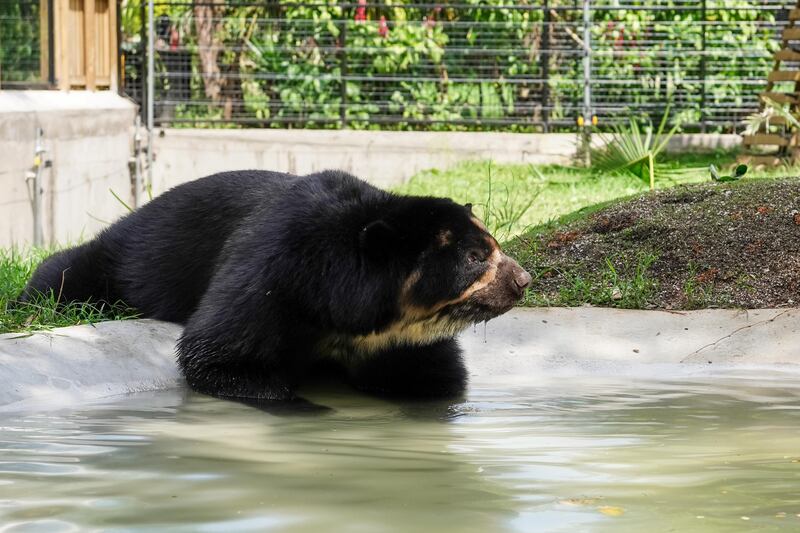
{"type": "Point", "coordinates": [512, 198]}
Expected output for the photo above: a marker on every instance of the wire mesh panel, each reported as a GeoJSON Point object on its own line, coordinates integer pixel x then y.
{"type": "Point", "coordinates": [465, 64]}
{"type": "Point", "coordinates": [22, 61]}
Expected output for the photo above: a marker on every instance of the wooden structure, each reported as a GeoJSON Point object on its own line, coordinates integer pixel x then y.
{"type": "Point", "coordinates": [84, 44]}
{"type": "Point", "coordinates": [777, 142]}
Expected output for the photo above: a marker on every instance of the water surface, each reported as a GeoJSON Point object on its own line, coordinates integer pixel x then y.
{"type": "Point", "coordinates": [611, 454]}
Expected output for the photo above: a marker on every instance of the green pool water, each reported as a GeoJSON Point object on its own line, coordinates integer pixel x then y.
{"type": "Point", "coordinates": [717, 453]}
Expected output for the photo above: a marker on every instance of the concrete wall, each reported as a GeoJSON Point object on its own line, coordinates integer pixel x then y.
{"type": "Point", "coordinates": [87, 137]}
{"type": "Point", "coordinates": [385, 158]}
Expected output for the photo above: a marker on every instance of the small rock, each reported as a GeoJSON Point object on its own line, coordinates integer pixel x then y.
{"type": "Point", "coordinates": [616, 294]}
{"type": "Point", "coordinates": [796, 217]}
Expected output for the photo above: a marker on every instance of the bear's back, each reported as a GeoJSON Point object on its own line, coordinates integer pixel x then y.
{"type": "Point", "coordinates": [164, 254]}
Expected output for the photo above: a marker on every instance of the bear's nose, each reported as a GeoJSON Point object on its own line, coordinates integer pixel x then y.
{"type": "Point", "coordinates": [522, 278]}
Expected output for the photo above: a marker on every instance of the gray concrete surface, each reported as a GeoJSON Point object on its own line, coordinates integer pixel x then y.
{"type": "Point", "coordinates": [80, 363]}
{"type": "Point", "coordinates": [385, 158]}
{"type": "Point", "coordinates": [557, 342]}
{"type": "Point", "coordinates": [70, 365]}
{"type": "Point", "coordinates": [87, 137]}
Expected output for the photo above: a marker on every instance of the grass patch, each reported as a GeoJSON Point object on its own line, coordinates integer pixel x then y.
{"type": "Point", "coordinates": [44, 311]}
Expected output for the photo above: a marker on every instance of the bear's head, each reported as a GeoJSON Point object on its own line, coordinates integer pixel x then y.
{"type": "Point", "coordinates": [455, 275]}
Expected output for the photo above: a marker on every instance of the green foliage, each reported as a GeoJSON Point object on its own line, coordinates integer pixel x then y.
{"type": "Point", "coordinates": [19, 41]}
{"type": "Point", "coordinates": [428, 75]}
{"type": "Point", "coordinates": [634, 149]}
{"type": "Point", "coordinates": [738, 173]}
{"type": "Point", "coordinates": [44, 311]}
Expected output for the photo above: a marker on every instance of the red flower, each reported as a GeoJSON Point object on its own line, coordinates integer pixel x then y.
{"type": "Point", "coordinates": [383, 28]}
{"type": "Point", "coordinates": [361, 11]}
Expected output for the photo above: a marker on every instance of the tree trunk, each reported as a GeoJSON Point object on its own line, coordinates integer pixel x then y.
{"type": "Point", "coordinates": [208, 22]}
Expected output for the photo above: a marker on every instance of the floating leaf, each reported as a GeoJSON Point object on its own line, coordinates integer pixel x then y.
{"type": "Point", "coordinates": [609, 510]}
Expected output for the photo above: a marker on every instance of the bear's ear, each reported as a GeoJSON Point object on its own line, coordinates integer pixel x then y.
{"type": "Point", "coordinates": [469, 208]}
{"type": "Point", "coordinates": [377, 236]}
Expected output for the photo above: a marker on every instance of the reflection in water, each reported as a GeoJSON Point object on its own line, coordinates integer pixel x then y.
{"type": "Point", "coordinates": [699, 455]}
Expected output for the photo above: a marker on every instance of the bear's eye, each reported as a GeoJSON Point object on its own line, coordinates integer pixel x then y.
{"type": "Point", "coordinates": [475, 256]}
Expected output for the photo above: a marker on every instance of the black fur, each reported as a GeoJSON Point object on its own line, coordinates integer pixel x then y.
{"type": "Point", "coordinates": [271, 273]}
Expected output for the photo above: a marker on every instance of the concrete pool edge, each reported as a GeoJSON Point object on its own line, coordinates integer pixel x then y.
{"type": "Point", "coordinates": [68, 365]}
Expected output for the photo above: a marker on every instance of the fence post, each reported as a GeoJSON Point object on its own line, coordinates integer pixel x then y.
{"type": "Point", "coordinates": [38, 191]}
{"type": "Point", "coordinates": [586, 125]}
{"type": "Point", "coordinates": [343, 72]}
{"type": "Point", "coordinates": [703, 66]}
{"type": "Point", "coordinates": [151, 84]}
{"type": "Point", "coordinates": [545, 56]}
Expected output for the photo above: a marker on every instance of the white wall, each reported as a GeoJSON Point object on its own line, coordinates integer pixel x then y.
{"type": "Point", "coordinates": [87, 135]}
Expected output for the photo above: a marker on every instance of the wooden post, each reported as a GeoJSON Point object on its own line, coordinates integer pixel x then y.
{"type": "Point", "coordinates": [89, 48]}
{"type": "Point", "coordinates": [85, 48]}
{"type": "Point", "coordinates": [61, 8]}
{"type": "Point", "coordinates": [113, 50]}
{"type": "Point", "coordinates": [44, 41]}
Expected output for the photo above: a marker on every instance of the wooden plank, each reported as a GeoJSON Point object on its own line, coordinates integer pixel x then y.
{"type": "Point", "coordinates": [769, 160]}
{"type": "Point", "coordinates": [786, 54]}
{"type": "Point", "coordinates": [113, 50]}
{"type": "Point", "coordinates": [791, 34]}
{"type": "Point", "coordinates": [61, 32]}
{"type": "Point", "coordinates": [777, 121]}
{"type": "Point", "coordinates": [44, 41]}
{"type": "Point", "coordinates": [784, 75]}
{"type": "Point", "coordinates": [779, 98]}
{"type": "Point", "coordinates": [89, 44]}
{"type": "Point", "coordinates": [794, 14]}
{"type": "Point", "coordinates": [102, 40]}
{"type": "Point", "coordinates": [765, 139]}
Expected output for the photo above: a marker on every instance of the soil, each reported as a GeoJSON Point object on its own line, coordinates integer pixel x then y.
{"type": "Point", "coordinates": [710, 245]}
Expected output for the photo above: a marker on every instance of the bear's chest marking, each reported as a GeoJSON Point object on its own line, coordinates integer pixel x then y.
{"type": "Point", "coordinates": [406, 332]}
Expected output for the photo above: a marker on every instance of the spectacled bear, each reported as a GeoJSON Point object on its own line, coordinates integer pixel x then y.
{"type": "Point", "coordinates": [271, 273]}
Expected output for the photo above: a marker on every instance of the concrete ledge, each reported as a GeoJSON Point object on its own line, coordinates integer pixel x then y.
{"type": "Point", "coordinates": [69, 365]}
{"type": "Point", "coordinates": [74, 364]}
{"type": "Point", "coordinates": [530, 344]}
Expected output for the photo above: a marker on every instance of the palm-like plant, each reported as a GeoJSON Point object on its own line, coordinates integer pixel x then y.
{"type": "Point", "coordinates": [633, 148]}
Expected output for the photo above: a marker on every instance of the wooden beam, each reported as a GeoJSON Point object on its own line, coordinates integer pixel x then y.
{"type": "Point", "coordinates": [769, 160]}
{"type": "Point", "coordinates": [44, 41]}
{"type": "Point", "coordinates": [784, 75]}
{"type": "Point", "coordinates": [779, 98]}
{"type": "Point", "coordinates": [113, 45]}
{"type": "Point", "coordinates": [787, 55]}
{"type": "Point", "coordinates": [60, 38]}
{"type": "Point", "coordinates": [791, 34]}
{"type": "Point", "coordinates": [89, 48]}
{"type": "Point", "coordinates": [766, 139]}
{"type": "Point", "coordinates": [794, 14]}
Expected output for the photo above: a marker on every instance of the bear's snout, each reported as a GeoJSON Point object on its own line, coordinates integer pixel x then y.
{"type": "Point", "coordinates": [513, 280]}
{"type": "Point", "coordinates": [521, 276]}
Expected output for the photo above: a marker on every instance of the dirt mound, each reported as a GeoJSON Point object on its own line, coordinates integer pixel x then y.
{"type": "Point", "coordinates": [709, 245]}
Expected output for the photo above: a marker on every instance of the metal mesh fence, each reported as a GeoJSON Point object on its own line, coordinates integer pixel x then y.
{"type": "Point", "coordinates": [466, 64]}
{"type": "Point", "coordinates": [21, 34]}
